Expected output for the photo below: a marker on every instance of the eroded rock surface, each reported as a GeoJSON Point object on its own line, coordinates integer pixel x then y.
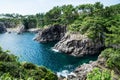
{"type": "Point", "coordinates": [78, 45]}
{"type": "Point", "coordinates": [2, 27]}
{"type": "Point", "coordinates": [52, 33]}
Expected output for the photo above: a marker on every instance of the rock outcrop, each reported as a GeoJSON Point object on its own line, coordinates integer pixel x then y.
{"type": "Point", "coordinates": [78, 45]}
{"type": "Point", "coordinates": [82, 71]}
{"type": "Point", "coordinates": [21, 29]}
{"type": "Point", "coordinates": [52, 33]}
{"type": "Point", "coordinates": [2, 27]}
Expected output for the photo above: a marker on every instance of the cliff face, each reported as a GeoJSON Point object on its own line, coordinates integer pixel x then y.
{"type": "Point", "coordinates": [78, 45]}
{"type": "Point", "coordinates": [9, 23]}
{"type": "Point", "coordinates": [52, 33]}
{"type": "Point", "coordinates": [2, 27]}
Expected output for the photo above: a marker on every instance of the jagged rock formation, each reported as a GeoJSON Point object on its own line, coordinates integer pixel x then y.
{"type": "Point", "coordinates": [78, 45]}
{"type": "Point", "coordinates": [21, 29]}
{"type": "Point", "coordinates": [2, 27]}
{"type": "Point", "coordinates": [52, 33]}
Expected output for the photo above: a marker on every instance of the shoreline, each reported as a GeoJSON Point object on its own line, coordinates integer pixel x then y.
{"type": "Point", "coordinates": [33, 30]}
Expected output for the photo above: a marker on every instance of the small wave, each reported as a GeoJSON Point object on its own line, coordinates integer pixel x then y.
{"type": "Point", "coordinates": [65, 73]}
{"type": "Point", "coordinates": [69, 66]}
{"type": "Point", "coordinates": [55, 50]}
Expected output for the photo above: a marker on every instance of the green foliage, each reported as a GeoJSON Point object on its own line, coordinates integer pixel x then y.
{"type": "Point", "coordinates": [113, 27]}
{"type": "Point", "coordinates": [6, 76]}
{"type": "Point", "coordinates": [30, 22]}
{"type": "Point", "coordinates": [5, 57]}
{"type": "Point", "coordinates": [52, 16]}
{"type": "Point", "coordinates": [75, 27]}
{"type": "Point", "coordinates": [98, 74]}
{"type": "Point", "coordinates": [11, 69]}
{"type": "Point", "coordinates": [29, 66]}
{"type": "Point", "coordinates": [113, 57]}
{"type": "Point", "coordinates": [40, 20]}
{"type": "Point", "coordinates": [69, 14]}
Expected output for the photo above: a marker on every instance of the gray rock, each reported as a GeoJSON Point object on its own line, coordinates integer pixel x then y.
{"type": "Point", "coordinates": [82, 71]}
{"type": "Point", "coordinates": [2, 27]}
{"type": "Point", "coordinates": [21, 29]}
{"type": "Point", "coordinates": [52, 33]}
{"type": "Point", "coordinates": [78, 45]}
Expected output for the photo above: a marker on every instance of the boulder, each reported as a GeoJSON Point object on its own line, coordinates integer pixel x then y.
{"type": "Point", "coordinates": [21, 29]}
{"type": "Point", "coordinates": [52, 33]}
{"type": "Point", "coordinates": [78, 45]}
{"type": "Point", "coordinates": [2, 27]}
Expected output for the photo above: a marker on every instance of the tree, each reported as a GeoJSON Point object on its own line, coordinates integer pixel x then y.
{"type": "Point", "coordinates": [69, 14]}
{"type": "Point", "coordinates": [85, 9]}
{"type": "Point", "coordinates": [98, 74]}
{"type": "Point", "coordinates": [40, 20]}
{"type": "Point", "coordinates": [53, 16]}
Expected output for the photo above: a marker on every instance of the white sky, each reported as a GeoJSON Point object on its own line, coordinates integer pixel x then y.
{"type": "Point", "coordinates": [38, 6]}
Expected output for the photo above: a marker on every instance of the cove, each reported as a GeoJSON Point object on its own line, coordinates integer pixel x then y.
{"type": "Point", "coordinates": [29, 50]}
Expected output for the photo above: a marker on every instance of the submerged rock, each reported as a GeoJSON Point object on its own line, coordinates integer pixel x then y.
{"type": "Point", "coordinates": [78, 45]}
{"type": "Point", "coordinates": [52, 33]}
{"type": "Point", "coordinates": [2, 27]}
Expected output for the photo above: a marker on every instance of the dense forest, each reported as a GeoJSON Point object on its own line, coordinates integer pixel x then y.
{"type": "Point", "coordinates": [94, 20]}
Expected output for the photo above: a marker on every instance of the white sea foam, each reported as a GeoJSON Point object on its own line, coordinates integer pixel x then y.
{"type": "Point", "coordinates": [55, 50]}
{"type": "Point", "coordinates": [65, 73]}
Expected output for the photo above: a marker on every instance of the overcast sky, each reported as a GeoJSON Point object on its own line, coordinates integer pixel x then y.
{"type": "Point", "coordinates": [38, 6]}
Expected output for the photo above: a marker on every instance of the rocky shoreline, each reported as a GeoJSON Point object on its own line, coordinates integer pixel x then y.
{"type": "Point", "coordinates": [73, 44]}
{"type": "Point", "coordinates": [80, 73]}
{"type": "Point", "coordinates": [33, 30]}
{"type": "Point", "coordinates": [19, 28]}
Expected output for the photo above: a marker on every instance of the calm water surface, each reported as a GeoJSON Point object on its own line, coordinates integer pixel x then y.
{"type": "Point", "coordinates": [40, 54]}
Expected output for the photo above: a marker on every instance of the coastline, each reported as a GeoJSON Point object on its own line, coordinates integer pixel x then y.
{"type": "Point", "coordinates": [33, 30]}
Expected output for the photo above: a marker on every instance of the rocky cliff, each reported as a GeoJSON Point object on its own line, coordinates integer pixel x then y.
{"type": "Point", "coordinates": [2, 27]}
{"type": "Point", "coordinates": [52, 33]}
{"type": "Point", "coordinates": [78, 45]}
{"type": "Point", "coordinates": [9, 23]}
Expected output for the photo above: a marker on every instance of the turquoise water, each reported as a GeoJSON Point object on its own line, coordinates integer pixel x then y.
{"type": "Point", "coordinates": [40, 54]}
